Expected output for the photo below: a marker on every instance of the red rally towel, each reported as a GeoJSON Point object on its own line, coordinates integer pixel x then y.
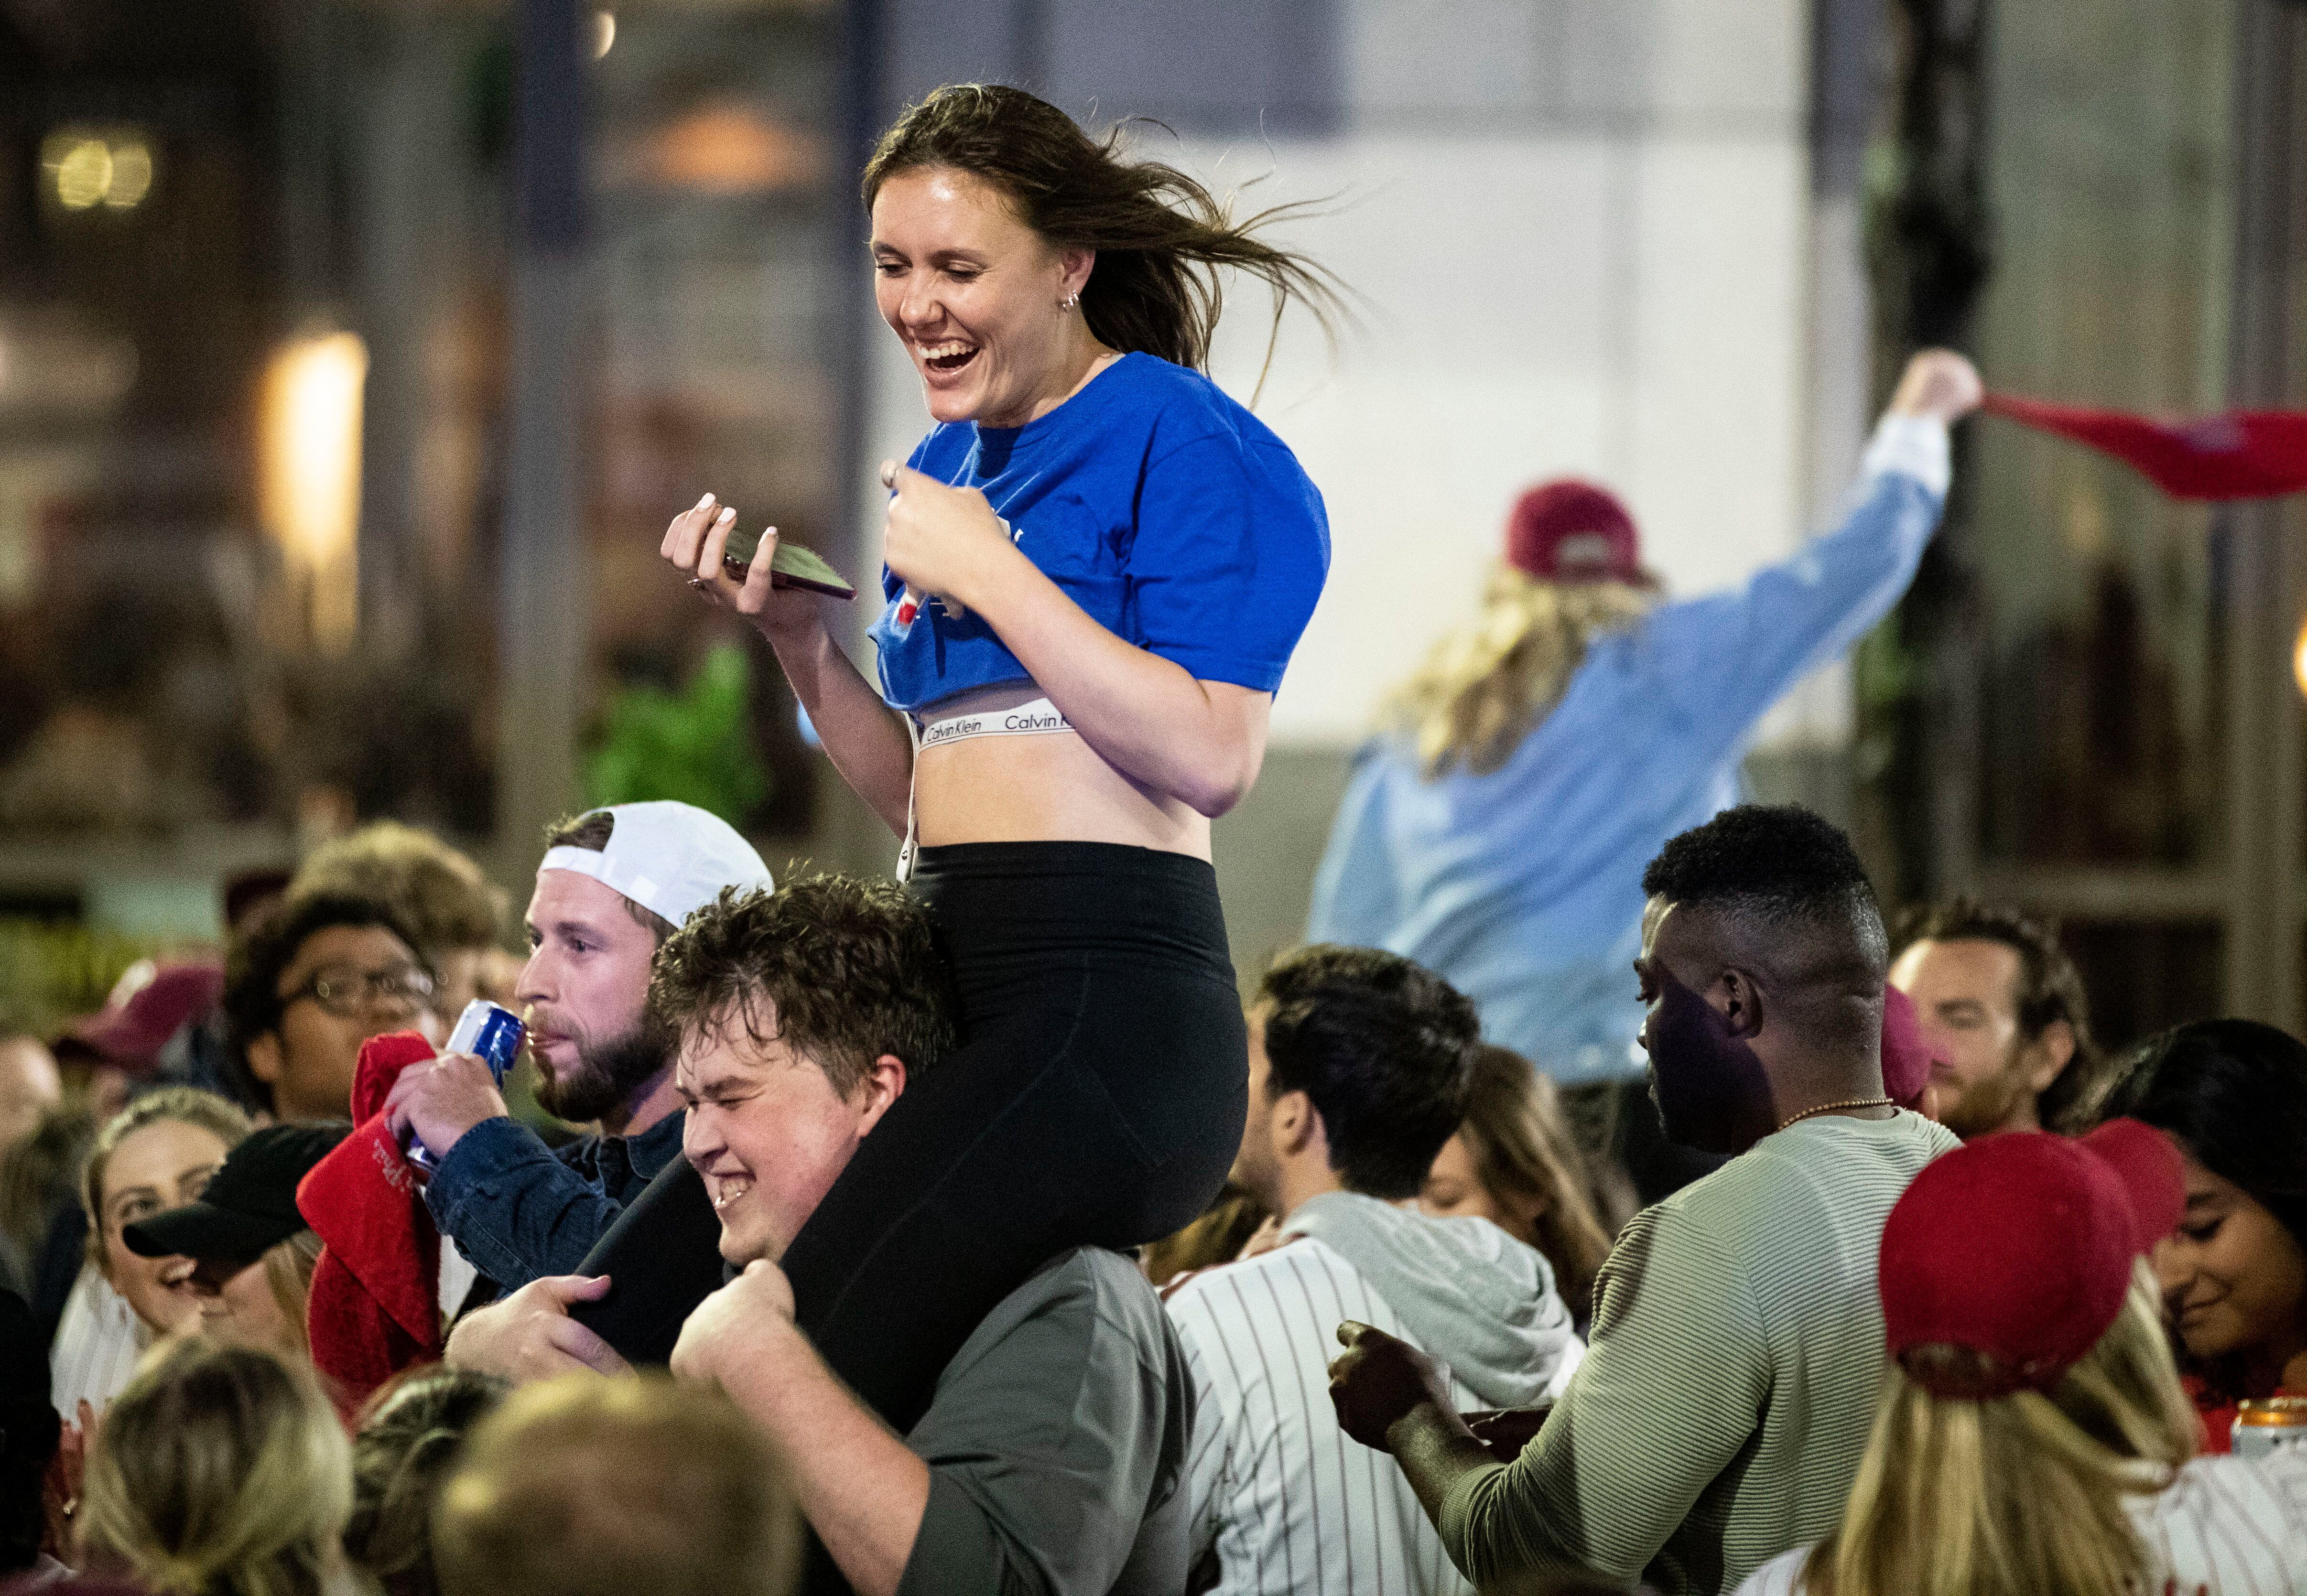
{"type": "Point", "coordinates": [2240, 454]}
{"type": "Point", "coordinates": [374, 1306]}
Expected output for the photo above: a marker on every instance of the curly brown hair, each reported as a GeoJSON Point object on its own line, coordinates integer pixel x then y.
{"type": "Point", "coordinates": [843, 969]}
{"type": "Point", "coordinates": [440, 894]}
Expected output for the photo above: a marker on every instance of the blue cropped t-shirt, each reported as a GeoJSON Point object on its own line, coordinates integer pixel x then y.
{"type": "Point", "coordinates": [1167, 511]}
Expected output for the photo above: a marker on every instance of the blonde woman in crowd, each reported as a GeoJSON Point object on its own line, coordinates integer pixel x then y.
{"type": "Point", "coordinates": [2032, 1436]}
{"type": "Point", "coordinates": [252, 1254]}
{"type": "Point", "coordinates": [1495, 832]}
{"type": "Point", "coordinates": [1513, 1163]}
{"type": "Point", "coordinates": [220, 1470]}
{"type": "Point", "coordinates": [155, 1154]}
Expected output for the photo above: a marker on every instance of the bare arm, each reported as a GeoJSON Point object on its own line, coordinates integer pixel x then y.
{"type": "Point", "coordinates": [1200, 743]}
{"type": "Point", "coordinates": [859, 1488]}
{"type": "Point", "coordinates": [1436, 1451]}
{"type": "Point", "coordinates": [866, 740]}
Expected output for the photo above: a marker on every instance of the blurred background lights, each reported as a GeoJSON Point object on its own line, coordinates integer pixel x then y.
{"type": "Point", "coordinates": [132, 174]}
{"type": "Point", "coordinates": [87, 169]}
{"type": "Point", "coordinates": [2299, 658]}
{"type": "Point", "coordinates": [310, 476]}
{"type": "Point", "coordinates": [604, 32]}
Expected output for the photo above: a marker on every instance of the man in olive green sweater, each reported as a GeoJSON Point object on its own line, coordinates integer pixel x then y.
{"type": "Point", "coordinates": [1720, 1416]}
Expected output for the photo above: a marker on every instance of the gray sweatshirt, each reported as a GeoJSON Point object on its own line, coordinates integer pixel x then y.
{"type": "Point", "coordinates": [1471, 1295]}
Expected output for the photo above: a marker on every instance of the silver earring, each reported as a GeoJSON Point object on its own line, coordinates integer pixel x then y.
{"type": "Point", "coordinates": [1071, 302]}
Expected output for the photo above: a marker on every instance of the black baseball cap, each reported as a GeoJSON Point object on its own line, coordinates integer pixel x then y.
{"type": "Point", "coordinates": [250, 1202]}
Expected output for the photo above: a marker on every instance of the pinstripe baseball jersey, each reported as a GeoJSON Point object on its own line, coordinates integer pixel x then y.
{"type": "Point", "coordinates": [1721, 1410]}
{"type": "Point", "coordinates": [1289, 1505]}
{"type": "Point", "coordinates": [2227, 1526]}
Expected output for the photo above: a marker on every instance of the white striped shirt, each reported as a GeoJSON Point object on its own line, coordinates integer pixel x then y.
{"type": "Point", "coordinates": [2227, 1526]}
{"type": "Point", "coordinates": [1289, 1502]}
{"type": "Point", "coordinates": [99, 1341]}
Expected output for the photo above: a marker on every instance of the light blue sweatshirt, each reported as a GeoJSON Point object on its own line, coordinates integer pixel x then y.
{"type": "Point", "coordinates": [1523, 886]}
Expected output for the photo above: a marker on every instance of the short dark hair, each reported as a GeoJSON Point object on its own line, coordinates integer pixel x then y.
{"type": "Point", "coordinates": [1792, 879]}
{"type": "Point", "coordinates": [591, 831]}
{"type": "Point", "coordinates": [851, 965]}
{"type": "Point", "coordinates": [2050, 988]}
{"type": "Point", "coordinates": [258, 957]}
{"type": "Point", "coordinates": [1383, 1047]}
{"type": "Point", "coordinates": [1777, 863]}
{"type": "Point", "coordinates": [2234, 1093]}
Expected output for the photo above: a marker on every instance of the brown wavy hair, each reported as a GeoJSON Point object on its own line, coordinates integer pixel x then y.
{"type": "Point", "coordinates": [844, 968]}
{"type": "Point", "coordinates": [1162, 238]}
{"type": "Point", "coordinates": [1520, 1146]}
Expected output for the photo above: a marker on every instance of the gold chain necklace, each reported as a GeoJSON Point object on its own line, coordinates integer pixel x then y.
{"type": "Point", "coordinates": [1832, 1108]}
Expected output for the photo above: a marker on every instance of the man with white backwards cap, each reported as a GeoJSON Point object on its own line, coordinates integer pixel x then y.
{"type": "Point", "coordinates": [614, 885]}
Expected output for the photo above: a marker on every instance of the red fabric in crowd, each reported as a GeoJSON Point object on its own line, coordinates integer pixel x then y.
{"type": "Point", "coordinates": [2237, 454]}
{"type": "Point", "coordinates": [2217, 1408]}
{"type": "Point", "coordinates": [2020, 1246]}
{"type": "Point", "coordinates": [1572, 531]}
{"type": "Point", "coordinates": [1906, 1056]}
{"type": "Point", "coordinates": [374, 1306]}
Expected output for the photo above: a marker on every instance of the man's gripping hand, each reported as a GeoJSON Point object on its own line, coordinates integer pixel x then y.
{"type": "Point", "coordinates": [444, 1100]}
{"type": "Point", "coordinates": [531, 1336]}
{"type": "Point", "coordinates": [747, 1321]}
{"type": "Point", "coordinates": [1382, 1380]}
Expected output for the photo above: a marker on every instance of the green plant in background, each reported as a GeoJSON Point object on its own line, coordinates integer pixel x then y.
{"type": "Point", "coordinates": [51, 972]}
{"type": "Point", "coordinates": [694, 746]}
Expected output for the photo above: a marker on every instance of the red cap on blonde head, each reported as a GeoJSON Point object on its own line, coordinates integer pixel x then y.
{"type": "Point", "coordinates": [2020, 1247]}
{"type": "Point", "coordinates": [1572, 531]}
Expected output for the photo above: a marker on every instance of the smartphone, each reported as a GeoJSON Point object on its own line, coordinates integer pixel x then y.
{"type": "Point", "coordinates": [792, 566]}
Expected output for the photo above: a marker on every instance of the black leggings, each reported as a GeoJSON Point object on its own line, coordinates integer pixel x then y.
{"type": "Point", "coordinates": [1097, 1098]}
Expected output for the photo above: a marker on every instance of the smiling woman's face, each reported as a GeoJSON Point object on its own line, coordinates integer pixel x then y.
{"type": "Point", "coordinates": [2234, 1279]}
{"type": "Point", "coordinates": [975, 295]}
{"type": "Point", "coordinates": [164, 1165]}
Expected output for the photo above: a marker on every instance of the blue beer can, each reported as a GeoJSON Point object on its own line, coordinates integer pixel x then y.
{"type": "Point", "coordinates": [491, 1033]}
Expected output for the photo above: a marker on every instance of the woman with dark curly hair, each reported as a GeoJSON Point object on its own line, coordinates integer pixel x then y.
{"type": "Point", "coordinates": [2233, 1093]}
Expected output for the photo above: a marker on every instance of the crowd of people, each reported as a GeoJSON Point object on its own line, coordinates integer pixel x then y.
{"type": "Point", "coordinates": [1603, 1198]}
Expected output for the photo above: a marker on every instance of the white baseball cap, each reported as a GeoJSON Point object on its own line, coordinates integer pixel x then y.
{"type": "Point", "coordinates": [672, 858]}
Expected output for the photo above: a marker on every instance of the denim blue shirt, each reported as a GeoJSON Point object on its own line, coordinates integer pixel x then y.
{"type": "Point", "coordinates": [1523, 886]}
{"type": "Point", "coordinates": [519, 1209]}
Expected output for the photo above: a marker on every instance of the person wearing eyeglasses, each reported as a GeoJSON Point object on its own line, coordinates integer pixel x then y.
{"type": "Point", "coordinates": [309, 981]}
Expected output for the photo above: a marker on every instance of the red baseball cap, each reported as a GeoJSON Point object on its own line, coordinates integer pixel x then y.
{"type": "Point", "coordinates": [1572, 531]}
{"type": "Point", "coordinates": [1906, 1056]}
{"type": "Point", "coordinates": [2020, 1246]}
{"type": "Point", "coordinates": [130, 1030]}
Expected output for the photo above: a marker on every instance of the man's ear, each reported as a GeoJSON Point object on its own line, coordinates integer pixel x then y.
{"type": "Point", "coordinates": [2055, 1046]}
{"type": "Point", "coordinates": [884, 1084]}
{"type": "Point", "coordinates": [1739, 1000]}
{"type": "Point", "coordinates": [1293, 1124]}
{"type": "Point", "coordinates": [264, 1054]}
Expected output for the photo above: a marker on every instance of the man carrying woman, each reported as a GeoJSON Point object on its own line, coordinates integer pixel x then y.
{"type": "Point", "coordinates": [1097, 567]}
